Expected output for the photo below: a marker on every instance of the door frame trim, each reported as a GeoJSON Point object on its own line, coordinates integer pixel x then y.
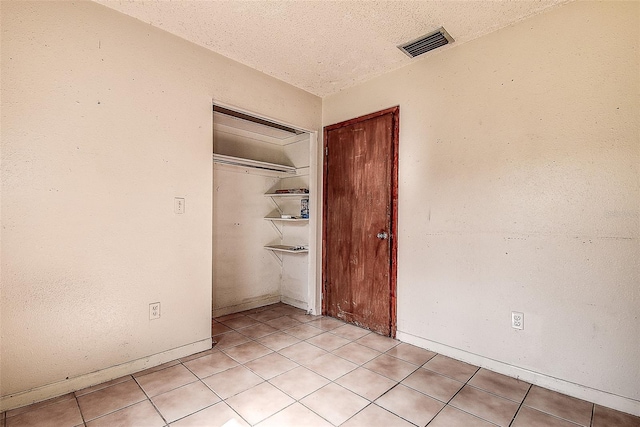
{"type": "Point", "coordinates": [393, 267]}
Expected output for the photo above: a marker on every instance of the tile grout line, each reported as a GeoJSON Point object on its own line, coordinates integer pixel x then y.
{"type": "Point", "coordinates": [520, 405]}
{"type": "Point", "coordinates": [447, 404]}
{"type": "Point", "coordinates": [84, 422]}
{"type": "Point", "coordinates": [301, 365]}
{"type": "Point", "coordinates": [358, 366]}
{"type": "Point", "coordinates": [166, 423]}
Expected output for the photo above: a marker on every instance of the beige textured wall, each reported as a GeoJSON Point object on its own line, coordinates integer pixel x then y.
{"type": "Point", "coordinates": [104, 121]}
{"type": "Point", "coordinates": [244, 274]}
{"type": "Point", "coordinates": [519, 190]}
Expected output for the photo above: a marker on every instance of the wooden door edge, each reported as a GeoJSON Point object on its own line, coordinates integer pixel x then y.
{"type": "Point", "coordinates": [395, 111]}
{"type": "Point", "coordinates": [324, 221]}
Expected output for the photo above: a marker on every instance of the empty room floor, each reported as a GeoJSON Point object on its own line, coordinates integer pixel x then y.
{"type": "Point", "coordinates": [277, 366]}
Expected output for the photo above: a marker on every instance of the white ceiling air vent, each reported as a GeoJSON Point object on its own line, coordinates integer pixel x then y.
{"type": "Point", "coordinates": [424, 44]}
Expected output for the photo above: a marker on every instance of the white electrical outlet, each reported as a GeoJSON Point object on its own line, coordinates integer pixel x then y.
{"type": "Point", "coordinates": [517, 320]}
{"type": "Point", "coordinates": [178, 205]}
{"type": "Point", "coordinates": [154, 310]}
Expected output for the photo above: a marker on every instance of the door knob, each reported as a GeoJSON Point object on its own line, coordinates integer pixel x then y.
{"type": "Point", "coordinates": [382, 235]}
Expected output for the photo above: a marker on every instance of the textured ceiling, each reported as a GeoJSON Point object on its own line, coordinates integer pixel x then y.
{"type": "Point", "coordinates": [324, 46]}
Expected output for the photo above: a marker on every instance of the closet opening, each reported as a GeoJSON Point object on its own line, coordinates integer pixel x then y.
{"type": "Point", "coordinates": [264, 213]}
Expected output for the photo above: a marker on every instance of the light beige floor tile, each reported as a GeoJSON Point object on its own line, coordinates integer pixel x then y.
{"type": "Point", "coordinates": [102, 385]}
{"type": "Point", "coordinates": [184, 401]}
{"type": "Point", "coordinates": [487, 406]}
{"type": "Point", "coordinates": [110, 399]}
{"type": "Point", "coordinates": [287, 310]}
{"type": "Point", "coordinates": [529, 417]}
{"type": "Point", "coordinates": [266, 315]}
{"type": "Point", "coordinates": [271, 365]}
{"type": "Point", "coordinates": [141, 414]}
{"type": "Point", "coordinates": [218, 328]}
{"type": "Point", "coordinates": [64, 413]}
{"type": "Point", "coordinates": [295, 415]}
{"type": "Point", "coordinates": [366, 383]}
{"type": "Point", "coordinates": [248, 351]}
{"type": "Point", "coordinates": [221, 319]}
{"type": "Point", "coordinates": [373, 415]}
{"type": "Point", "coordinates": [330, 366]}
{"type": "Point", "coordinates": [284, 322]}
{"type": "Point", "coordinates": [357, 353]}
{"type": "Point", "coordinates": [255, 310]}
{"type": "Point", "coordinates": [391, 367]}
{"type": "Point", "coordinates": [211, 364]}
{"type": "Point", "coordinates": [605, 417]}
{"type": "Point", "coordinates": [560, 405]}
{"type": "Point", "coordinates": [162, 381]}
{"type": "Point", "coordinates": [278, 341]}
{"type": "Point", "coordinates": [328, 341]}
{"type": "Point", "coordinates": [304, 318]}
{"type": "Point", "coordinates": [327, 323]}
{"type": "Point", "coordinates": [378, 342]}
{"type": "Point", "coordinates": [304, 331]}
{"type": "Point", "coordinates": [503, 386]}
{"type": "Point", "coordinates": [232, 381]}
{"type": "Point", "coordinates": [258, 330]}
{"type": "Point", "coordinates": [334, 403]}
{"type": "Point", "coordinates": [432, 384]}
{"type": "Point", "coordinates": [452, 417]}
{"type": "Point", "coordinates": [302, 352]}
{"type": "Point", "coordinates": [349, 332]}
{"type": "Point", "coordinates": [156, 368]}
{"type": "Point", "coordinates": [218, 415]}
{"type": "Point", "coordinates": [239, 322]}
{"type": "Point", "coordinates": [259, 402]}
{"type": "Point", "coordinates": [230, 339]}
{"type": "Point", "coordinates": [459, 371]}
{"type": "Point", "coordinates": [410, 404]}
{"type": "Point", "coordinates": [299, 382]}
{"type": "Point", "coordinates": [411, 353]}
{"type": "Point", "coordinates": [198, 355]}
{"type": "Point", "coordinates": [38, 405]}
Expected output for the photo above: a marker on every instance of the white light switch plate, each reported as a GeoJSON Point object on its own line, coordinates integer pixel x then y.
{"type": "Point", "coordinates": [178, 205]}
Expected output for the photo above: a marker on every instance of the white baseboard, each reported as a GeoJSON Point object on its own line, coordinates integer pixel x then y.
{"type": "Point", "coordinates": [248, 305]}
{"type": "Point", "coordinates": [78, 383]}
{"type": "Point", "coordinates": [294, 302]}
{"type": "Point", "coordinates": [620, 403]}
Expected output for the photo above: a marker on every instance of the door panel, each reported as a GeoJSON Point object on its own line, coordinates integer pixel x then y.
{"type": "Point", "coordinates": [359, 281]}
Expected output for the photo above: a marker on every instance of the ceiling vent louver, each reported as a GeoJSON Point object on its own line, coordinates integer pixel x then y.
{"type": "Point", "coordinates": [424, 44]}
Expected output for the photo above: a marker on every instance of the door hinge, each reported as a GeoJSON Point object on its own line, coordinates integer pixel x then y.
{"type": "Point", "coordinates": [326, 151]}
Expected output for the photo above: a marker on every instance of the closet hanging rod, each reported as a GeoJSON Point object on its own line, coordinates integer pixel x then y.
{"type": "Point", "coordinates": [247, 117]}
{"type": "Point", "coordinates": [255, 164]}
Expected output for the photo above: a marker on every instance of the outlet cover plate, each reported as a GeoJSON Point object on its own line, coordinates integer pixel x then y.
{"type": "Point", "coordinates": [154, 310]}
{"type": "Point", "coordinates": [517, 320]}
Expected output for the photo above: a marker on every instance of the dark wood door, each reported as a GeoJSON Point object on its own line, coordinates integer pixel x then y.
{"type": "Point", "coordinates": [359, 211]}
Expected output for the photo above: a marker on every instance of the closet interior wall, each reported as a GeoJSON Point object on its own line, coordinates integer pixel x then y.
{"type": "Point", "coordinates": [245, 274]}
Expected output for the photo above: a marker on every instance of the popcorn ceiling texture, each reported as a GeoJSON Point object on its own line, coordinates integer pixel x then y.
{"type": "Point", "coordinates": [324, 46]}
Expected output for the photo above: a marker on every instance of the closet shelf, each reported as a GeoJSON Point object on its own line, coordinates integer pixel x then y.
{"type": "Point", "coordinates": [277, 218]}
{"type": "Point", "coordinates": [254, 164]}
{"type": "Point", "coordinates": [303, 195]}
{"type": "Point", "coordinates": [288, 249]}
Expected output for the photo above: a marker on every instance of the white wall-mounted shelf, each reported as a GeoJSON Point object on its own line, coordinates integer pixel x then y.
{"type": "Point", "coordinates": [303, 195]}
{"type": "Point", "coordinates": [275, 218]}
{"type": "Point", "coordinates": [287, 248]}
{"type": "Point", "coordinates": [253, 164]}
